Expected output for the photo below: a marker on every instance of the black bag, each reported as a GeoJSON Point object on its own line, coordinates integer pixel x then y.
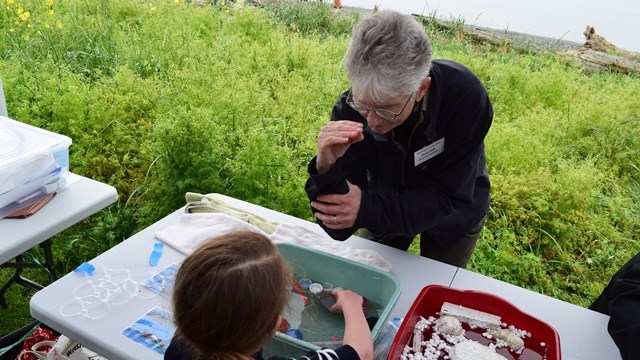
{"type": "Point", "coordinates": [621, 301]}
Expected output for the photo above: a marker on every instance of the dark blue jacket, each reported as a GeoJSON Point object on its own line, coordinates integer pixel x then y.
{"type": "Point", "coordinates": [443, 197]}
{"type": "Point", "coordinates": [178, 350]}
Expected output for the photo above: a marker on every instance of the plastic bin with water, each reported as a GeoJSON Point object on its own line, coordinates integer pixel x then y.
{"type": "Point", "coordinates": [319, 327]}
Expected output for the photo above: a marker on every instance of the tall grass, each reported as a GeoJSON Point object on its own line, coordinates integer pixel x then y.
{"type": "Point", "coordinates": [163, 97]}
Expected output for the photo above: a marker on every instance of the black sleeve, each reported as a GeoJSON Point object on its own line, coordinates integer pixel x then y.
{"type": "Point", "coordinates": [351, 166]}
{"type": "Point", "coordinates": [345, 352]}
{"type": "Point", "coordinates": [621, 301]}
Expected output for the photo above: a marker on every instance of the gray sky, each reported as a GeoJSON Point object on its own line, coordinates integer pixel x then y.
{"type": "Point", "coordinates": [617, 20]}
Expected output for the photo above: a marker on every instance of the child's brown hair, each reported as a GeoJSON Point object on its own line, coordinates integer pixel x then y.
{"type": "Point", "coordinates": [229, 293]}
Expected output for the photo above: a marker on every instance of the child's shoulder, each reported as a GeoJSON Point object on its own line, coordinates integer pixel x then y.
{"type": "Point", "coordinates": [344, 352]}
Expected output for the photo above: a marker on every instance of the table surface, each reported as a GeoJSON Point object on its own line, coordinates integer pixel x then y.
{"type": "Point", "coordinates": [82, 197]}
{"type": "Point", "coordinates": [583, 332]}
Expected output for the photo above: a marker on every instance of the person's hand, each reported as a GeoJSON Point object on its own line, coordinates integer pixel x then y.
{"type": "Point", "coordinates": [334, 140]}
{"type": "Point", "coordinates": [356, 329]}
{"type": "Point", "coordinates": [338, 211]}
{"type": "Point", "coordinates": [347, 300]}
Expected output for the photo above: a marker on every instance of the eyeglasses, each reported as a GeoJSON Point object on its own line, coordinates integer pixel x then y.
{"type": "Point", "coordinates": [384, 114]}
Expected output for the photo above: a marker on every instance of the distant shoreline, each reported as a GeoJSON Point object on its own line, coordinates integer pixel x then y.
{"type": "Point", "coordinates": [536, 42]}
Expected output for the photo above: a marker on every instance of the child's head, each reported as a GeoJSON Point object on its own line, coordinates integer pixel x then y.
{"type": "Point", "coordinates": [229, 293]}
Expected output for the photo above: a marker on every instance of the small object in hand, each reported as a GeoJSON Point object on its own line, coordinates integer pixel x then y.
{"type": "Point", "coordinates": [326, 300]}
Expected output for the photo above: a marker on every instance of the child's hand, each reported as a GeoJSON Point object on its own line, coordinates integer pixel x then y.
{"type": "Point", "coordinates": [347, 300]}
{"type": "Point", "coordinates": [356, 329]}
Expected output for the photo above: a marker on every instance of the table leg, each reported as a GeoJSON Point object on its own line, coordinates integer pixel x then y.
{"type": "Point", "coordinates": [5, 286]}
{"type": "Point", "coordinates": [17, 277]}
{"type": "Point", "coordinates": [48, 257]}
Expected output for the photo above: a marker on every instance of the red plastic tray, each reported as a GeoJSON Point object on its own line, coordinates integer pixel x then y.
{"type": "Point", "coordinates": [434, 295]}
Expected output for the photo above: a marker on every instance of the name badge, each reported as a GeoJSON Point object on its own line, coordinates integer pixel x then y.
{"type": "Point", "coordinates": [428, 152]}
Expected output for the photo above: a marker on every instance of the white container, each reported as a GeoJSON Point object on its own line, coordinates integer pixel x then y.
{"type": "Point", "coordinates": [32, 161]}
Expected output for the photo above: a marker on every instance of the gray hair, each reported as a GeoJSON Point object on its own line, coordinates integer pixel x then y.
{"type": "Point", "coordinates": [389, 55]}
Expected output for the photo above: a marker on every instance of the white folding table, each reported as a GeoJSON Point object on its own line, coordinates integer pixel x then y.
{"type": "Point", "coordinates": [104, 335]}
{"type": "Point", "coordinates": [82, 198]}
{"type": "Point", "coordinates": [584, 337]}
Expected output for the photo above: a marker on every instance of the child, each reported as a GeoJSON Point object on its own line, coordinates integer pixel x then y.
{"type": "Point", "coordinates": [227, 300]}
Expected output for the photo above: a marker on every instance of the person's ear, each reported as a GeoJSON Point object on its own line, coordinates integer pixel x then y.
{"type": "Point", "coordinates": [278, 323]}
{"type": "Point", "coordinates": [424, 87]}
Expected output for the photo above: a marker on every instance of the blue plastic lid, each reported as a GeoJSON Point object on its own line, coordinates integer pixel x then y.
{"type": "Point", "coordinates": [304, 283]}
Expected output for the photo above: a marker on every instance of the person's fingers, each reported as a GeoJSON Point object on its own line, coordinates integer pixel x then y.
{"type": "Point", "coordinates": [344, 297]}
{"type": "Point", "coordinates": [332, 199]}
{"type": "Point", "coordinates": [329, 140]}
{"type": "Point", "coordinates": [325, 207]}
{"type": "Point", "coordinates": [331, 220]}
{"type": "Point", "coordinates": [346, 123]}
{"type": "Point", "coordinates": [341, 129]}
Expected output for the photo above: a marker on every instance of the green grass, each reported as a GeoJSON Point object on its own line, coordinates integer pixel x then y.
{"type": "Point", "coordinates": [163, 98]}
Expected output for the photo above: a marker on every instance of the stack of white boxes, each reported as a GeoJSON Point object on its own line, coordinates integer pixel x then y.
{"type": "Point", "coordinates": [33, 163]}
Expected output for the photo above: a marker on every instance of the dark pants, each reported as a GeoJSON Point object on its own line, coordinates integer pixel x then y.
{"type": "Point", "coordinates": [458, 255]}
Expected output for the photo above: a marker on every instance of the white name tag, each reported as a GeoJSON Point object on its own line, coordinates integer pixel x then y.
{"type": "Point", "coordinates": [428, 152]}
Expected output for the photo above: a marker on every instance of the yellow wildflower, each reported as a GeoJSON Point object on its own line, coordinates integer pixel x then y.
{"type": "Point", "coordinates": [50, 12]}
{"type": "Point", "coordinates": [11, 30]}
{"type": "Point", "coordinates": [23, 15]}
{"type": "Point", "coordinates": [49, 3]}
{"type": "Point", "coordinates": [10, 2]}
{"type": "Point", "coordinates": [59, 24]}
{"type": "Point", "coordinates": [26, 37]}
{"type": "Point", "coordinates": [153, 8]}
{"type": "Point", "coordinates": [47, 26]}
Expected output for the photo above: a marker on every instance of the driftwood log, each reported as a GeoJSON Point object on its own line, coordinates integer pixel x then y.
{"type": "Point", "coordinates": [600, 61]}
{"type": "Point", "coordinates": [596, 54]}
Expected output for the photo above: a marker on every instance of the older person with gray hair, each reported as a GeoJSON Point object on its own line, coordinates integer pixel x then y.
{"type": "Point", "coordinates": [403, 153]}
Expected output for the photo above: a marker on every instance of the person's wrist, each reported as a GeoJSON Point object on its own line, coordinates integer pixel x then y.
{"type": "Point", "coordinates": [353, 306]}
{"type": "Point", "coordinates": [322, 168]}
